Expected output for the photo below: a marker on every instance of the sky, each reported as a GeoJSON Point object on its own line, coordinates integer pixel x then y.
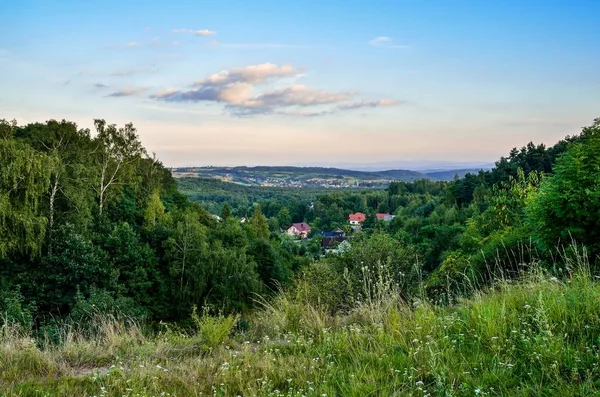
{"type": "Point", "coordinates": [309, 82]}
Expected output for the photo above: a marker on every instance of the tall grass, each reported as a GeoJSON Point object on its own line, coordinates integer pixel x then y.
{"type": "Point", "coordinates": [539, 335]}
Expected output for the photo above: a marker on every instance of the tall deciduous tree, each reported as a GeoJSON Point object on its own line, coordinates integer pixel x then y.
{"type": "Point", "coordinates": [155, 210]}
{"type": "Point", "coordinates": [24, 179]}
{"type": "Point", "coordinates": [70, 147]}
{"type": "Point", "coordinates": [186, 249]}
{"type": "Point", "coordinates": [568, 203]}
{"type": "Point", "coordinates": [118, 150]}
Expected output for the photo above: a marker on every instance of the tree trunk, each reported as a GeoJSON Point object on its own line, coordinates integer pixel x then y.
{"type": "Point", "coordinates": [53, 192]}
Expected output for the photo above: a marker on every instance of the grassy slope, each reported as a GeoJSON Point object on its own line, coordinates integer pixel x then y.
{"type": "Point", "coordinates": [536, 337]}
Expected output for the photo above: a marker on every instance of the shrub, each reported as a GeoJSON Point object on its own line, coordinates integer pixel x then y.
{"type": "Point", "coordinates": [213, 330]}
{"type": "Point", "coordinates": [14, 312]}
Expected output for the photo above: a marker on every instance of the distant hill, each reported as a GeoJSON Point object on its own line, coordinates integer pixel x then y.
{"type": "Point", "coordinates": [322, 177]}
{"type": "Point", "coordinates": [449, 175]}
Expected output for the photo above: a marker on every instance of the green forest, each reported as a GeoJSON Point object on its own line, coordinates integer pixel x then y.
{"type": "Point", "coordinates": [106, 259]}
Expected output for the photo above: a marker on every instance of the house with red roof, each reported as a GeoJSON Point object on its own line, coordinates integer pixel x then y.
{"type": "Point", "coordinates": [299, 229]}
{"type": "Point", "coordinates": [384, 217]}
{"type": "Point", "coordinates": [357, 218]}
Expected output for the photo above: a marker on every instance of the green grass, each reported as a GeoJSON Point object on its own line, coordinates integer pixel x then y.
{"type": "Point", "coordinates": [535, 337]}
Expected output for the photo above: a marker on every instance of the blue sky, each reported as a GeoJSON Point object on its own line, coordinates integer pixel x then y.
{"type": "Point", "coordinates": [326, 82]}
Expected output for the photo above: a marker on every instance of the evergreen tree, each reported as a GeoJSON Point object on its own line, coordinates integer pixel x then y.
{"type": "Point", "coordinates": [226, 212]}
{"type": "Point", "coordinates": [258, 225]}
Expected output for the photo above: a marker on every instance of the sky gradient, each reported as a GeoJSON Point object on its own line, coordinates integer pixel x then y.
{"type": "Point", "coordinates": [307, 82]}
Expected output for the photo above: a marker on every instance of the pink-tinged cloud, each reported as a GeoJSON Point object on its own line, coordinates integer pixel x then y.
{"type": "Point", "coordinates": [249, 74]}
{"type": "Point", "coordinates": [300, 95]}
{"type": "Point", "coordinates": [235, 89]}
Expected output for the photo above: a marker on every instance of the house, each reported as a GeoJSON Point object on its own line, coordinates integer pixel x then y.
{"type": "Point", "coordinates": [384, 217]}
{"type": "Point", "coordinates": [357, 219]}
{"type": "Point", "coordinates": [340, 248]}
{"type": "Point", "coordinates": [299, 229]}
{"type": "Point", "coordinates": [332, 238]}
{"type": "Point", "coordinates": [334, 233]}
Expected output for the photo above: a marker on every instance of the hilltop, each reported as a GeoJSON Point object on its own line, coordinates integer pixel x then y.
{"type": "Point", "coordinates": [313, 176]}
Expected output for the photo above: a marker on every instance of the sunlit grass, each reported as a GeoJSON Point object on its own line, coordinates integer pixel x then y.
{"type": "Point", "coordinates": [536, 336]}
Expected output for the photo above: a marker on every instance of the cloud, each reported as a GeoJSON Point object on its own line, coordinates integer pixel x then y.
{"type": "Point", "coordinates": [385, 42]}
{"type": "Point", "coordinates": [235, 89]}
{"type": "Point", "coordinates": [132, 44]}
{"type": "Point", "coordinates": [371, 104]}
{"type": "Point", "coordinates": [249, 74]}
{"type": "Point", "coordinates": [100, 85]}
{"type": "Point", "coordinates": [344, 107]}
{"type": "Point", "coordinates": [300, 95]}
{"type": "Point", "coordinates": [127, 92]}
{"type": "Point", "coordinates": [203, 32]}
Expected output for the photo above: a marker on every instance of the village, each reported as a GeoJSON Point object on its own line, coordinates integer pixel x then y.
{"type": "Point", "coordinates": [337, 239]}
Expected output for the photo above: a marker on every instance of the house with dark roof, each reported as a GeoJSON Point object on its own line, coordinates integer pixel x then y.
{"type": "Point", "coordinates": [334, 233]}
{"type": "Point", "coordinates": [332, 238]}
{"type": "Point", "coordinates": [299, 229]}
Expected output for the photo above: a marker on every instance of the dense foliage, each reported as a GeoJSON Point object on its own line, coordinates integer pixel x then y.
{"type": "Point", "coordinates": [91, 220]}
{"type": "Point", "coordinates": [86, 217]}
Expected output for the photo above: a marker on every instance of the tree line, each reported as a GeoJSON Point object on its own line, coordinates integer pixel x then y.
{"type": "Point", "coordinates": [90, 221]}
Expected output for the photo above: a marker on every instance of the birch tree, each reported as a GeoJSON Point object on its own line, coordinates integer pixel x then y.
{"type": "Point", "coordinates": [69, 147]}
{"type": "Point", "coordinates": [117, 152]}
{"type": "Point", "coordinates": [24, 179]}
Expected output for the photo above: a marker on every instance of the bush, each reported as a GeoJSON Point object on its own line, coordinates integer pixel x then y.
{"type": "Point", "coordinates": [14, 312]}
{"type": "Point", "coordinates": [101, 303]}
{"type": "Point", "coordinates": [213, 330]}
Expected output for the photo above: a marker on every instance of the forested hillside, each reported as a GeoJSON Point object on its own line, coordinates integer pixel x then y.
{"type": "Point", "coordinates": [93, 228]}
{"type": "Point", "coordinates": [89, 218]}
{"type": "Point", "coordinates": [90, 215]}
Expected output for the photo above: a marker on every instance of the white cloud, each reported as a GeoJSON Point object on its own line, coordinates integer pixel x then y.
{"type": "Point", "coordinates": [385, 42]}
{"type": "Point", "coordinates": [202, 32]}
{"type": "Point", "coordinates": [249, 74]}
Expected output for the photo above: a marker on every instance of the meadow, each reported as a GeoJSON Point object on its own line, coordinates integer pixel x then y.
{"type": "Point", "coordinates": [537, 335]}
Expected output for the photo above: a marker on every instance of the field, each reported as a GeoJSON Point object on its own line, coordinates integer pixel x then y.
{"type": "Point", "coordinates": [515, 339]}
